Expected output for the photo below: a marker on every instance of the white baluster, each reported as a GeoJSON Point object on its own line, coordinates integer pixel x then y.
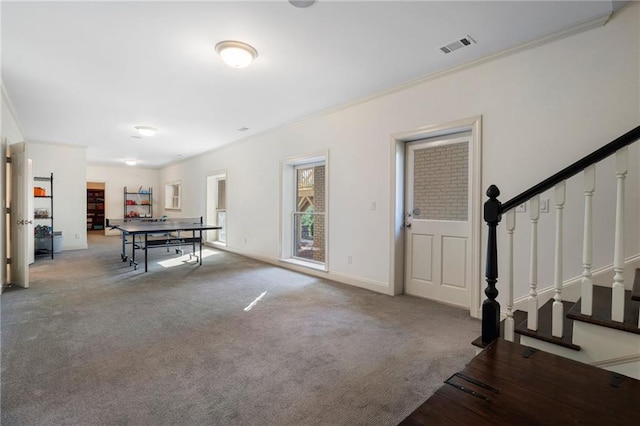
{"type": "Point", "coordinates": [508, 324]}
{"type": "Point", "coordinates": [587, 241]}
{"type": "Point", "coordinates": [532, 314]}
{"type": "Point", "coordinates": [617, 292]}
{"type": "Point", "coordinates": [557, 312]}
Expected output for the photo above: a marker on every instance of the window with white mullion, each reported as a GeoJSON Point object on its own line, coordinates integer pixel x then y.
{"type": "Point", "coordinates": [308, 213]}
{"type": "Point", "coordinates": [304, 201]}
{"type": "Point", "coordinates": [221, 209]}
{"type": "Point", "coordinates": [173, 195]}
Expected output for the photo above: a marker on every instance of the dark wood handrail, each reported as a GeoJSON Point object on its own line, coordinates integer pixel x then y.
{"type": "Point", "coordinates": [596, 156]}
{"type": "Point", "coordinates": [493, 211]}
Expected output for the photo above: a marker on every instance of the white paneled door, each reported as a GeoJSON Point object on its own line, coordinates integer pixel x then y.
{"type": "Point", "coordinates": [437, 223]}
{"type": "Point", "coordinates": [21, 216]}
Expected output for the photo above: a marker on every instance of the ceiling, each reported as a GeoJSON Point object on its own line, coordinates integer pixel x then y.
{"type": "Point", "coordinates": [85, 73]}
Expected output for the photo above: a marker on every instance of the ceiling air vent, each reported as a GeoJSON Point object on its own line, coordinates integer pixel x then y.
{"type": "Point", "coordinates": [458, 44]}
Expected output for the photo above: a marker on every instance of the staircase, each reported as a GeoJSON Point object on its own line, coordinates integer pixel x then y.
{"type": "Point", "coordinates": [597, 324]}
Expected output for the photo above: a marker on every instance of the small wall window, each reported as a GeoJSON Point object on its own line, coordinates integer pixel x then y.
{"type": "Point", "coordinates": [221, 210]}
{"type": "Point", "coordinates": [217, 207]}
{"type": "Point", "coordinates": [304, 206]}
{"type": "Point", "coordinates": [173, 195]}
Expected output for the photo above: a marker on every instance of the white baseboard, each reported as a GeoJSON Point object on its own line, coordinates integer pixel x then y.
{"type": "Point", "coordinates": [376, 286]}
{"type": "Point", "coordinates": [627, 365]}
{"type": "Point", "coordinates": [635, 358]}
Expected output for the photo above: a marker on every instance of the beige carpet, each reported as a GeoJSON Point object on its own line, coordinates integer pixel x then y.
{"type": "Point", "coordinates": [231, 342]}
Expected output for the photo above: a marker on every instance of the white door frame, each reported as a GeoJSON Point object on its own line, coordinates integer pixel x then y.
{"type": "Point", "coordinates": [21, 216]}
{"type": "Point", "coordinates": [4, 244]}
{"type": "Point", "coordinates": [396, 228]}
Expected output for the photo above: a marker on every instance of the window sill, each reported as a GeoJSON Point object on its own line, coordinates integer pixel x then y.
{"type": "Point", "coordinates": [311, 265]}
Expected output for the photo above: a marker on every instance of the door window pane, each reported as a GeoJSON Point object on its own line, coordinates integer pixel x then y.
{"type": "Point", "coordinates": [440, 182]}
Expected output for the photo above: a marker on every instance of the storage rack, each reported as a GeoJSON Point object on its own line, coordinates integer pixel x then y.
{"type": "Point", "coordinates": [45, 217]}
{"type": "Point", "coordinates": [138, 204]}
{"type": "Point", "coordinates": [95, 209]}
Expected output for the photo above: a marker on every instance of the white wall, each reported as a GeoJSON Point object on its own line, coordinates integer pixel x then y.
{"type": "Point", "coordinates": [553, 103]}
{"type": "Point", "coordinates": [116, 178]}
{"type": "Point", "coordinates": [10, 126]}
{"type": "Point", "coordinates": [68, 165]}
{"type": "Point", "coordinates": [9, 133]}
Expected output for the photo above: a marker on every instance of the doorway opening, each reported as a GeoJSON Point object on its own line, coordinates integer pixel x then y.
{"type": "Point", "coordinates": [442, 251]}
{"type": "Point", "coordinates": [96, 208]}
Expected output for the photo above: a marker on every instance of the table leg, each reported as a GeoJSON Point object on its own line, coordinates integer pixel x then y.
{"type": "Point", "coordinates": [123, 254]}
{"type": "Point", "coordinates": [145, 252]}
{"type": "Point", "coordinates": [133, 248]}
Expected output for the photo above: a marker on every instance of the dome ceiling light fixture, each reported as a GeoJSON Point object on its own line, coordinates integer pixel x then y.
{"type": "Point", "coordinates": [302, 3]}
{"type": "Point", "coordinates": [236, 54]}
{"type": "Point", "coordinates": [146, 130]}
{"type": "Point", "coordinates": [130, 162]}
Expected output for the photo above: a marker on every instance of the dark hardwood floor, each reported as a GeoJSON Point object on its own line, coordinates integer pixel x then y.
{"type": "Point", "coordinates": [512, 384]}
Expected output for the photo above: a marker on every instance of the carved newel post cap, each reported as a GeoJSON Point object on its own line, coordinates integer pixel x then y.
{"type": "Point", "coordinates": [493, 192]}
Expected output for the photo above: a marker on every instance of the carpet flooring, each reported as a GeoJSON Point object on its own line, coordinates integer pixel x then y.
{"type": "Point", "coordinates": [232, 342]}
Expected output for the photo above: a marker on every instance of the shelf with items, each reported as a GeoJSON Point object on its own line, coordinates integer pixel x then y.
{"type": "Point", "coordinates": [44, 235]}
{"type": "Point", "coordinates": [138, 204]}
{"type": "Point", "coordinates": [95, 209]}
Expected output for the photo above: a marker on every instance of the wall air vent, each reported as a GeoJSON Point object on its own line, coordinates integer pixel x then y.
{"type": "Point", "coordinates": [458, 44]}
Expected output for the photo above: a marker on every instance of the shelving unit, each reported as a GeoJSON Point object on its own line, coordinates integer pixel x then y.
{"type": "Point", "coordinates": [43, 215]}
{"type": "Point", "coordinates": [95, 209]}
{"type": "Point", "coordinates": [138, 204]}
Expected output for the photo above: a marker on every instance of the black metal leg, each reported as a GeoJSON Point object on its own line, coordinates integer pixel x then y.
{"type": "Point", "coordinates": [133, 248]}
{"type": "Point", "coordinates": [145, 252]}
{"type": "Point", "coordinates": [200, 244]}
{"type": "Point", "coordinates": [123, 255]}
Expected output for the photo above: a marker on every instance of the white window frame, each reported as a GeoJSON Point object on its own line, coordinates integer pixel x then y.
{"type": "Point", "coordinates": [288, 194]}
{"type": "Point", "coordinates": [213, 237]}
{"type": "Point", "coordinates": [173, 195]}
{"type": "Point", "coordinates": [219, 210]}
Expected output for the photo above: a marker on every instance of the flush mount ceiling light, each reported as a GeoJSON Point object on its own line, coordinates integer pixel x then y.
{"type": "Point", "coordinates": [146, 130]}
{"type": "Point", "coordinates": [302, 3]}
{"type": "Point", "coordinates": [130, 162]}
{"type": "Point", "coordinates": [236, 54]}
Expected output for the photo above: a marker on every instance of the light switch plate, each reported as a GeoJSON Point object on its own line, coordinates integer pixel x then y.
{"type": "Point", "coordinates": [544, 205]}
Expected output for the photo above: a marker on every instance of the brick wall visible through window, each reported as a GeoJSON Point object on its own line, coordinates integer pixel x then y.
{"type": "Point", "coordinates": [309, 224]}
{"type": "Point", "coordinates": [319, 204]}
{"type": "Point", "coordinates": [441, 177]}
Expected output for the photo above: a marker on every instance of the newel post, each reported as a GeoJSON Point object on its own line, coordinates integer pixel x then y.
{"type": "Point", "coordinates": [491, 307]}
